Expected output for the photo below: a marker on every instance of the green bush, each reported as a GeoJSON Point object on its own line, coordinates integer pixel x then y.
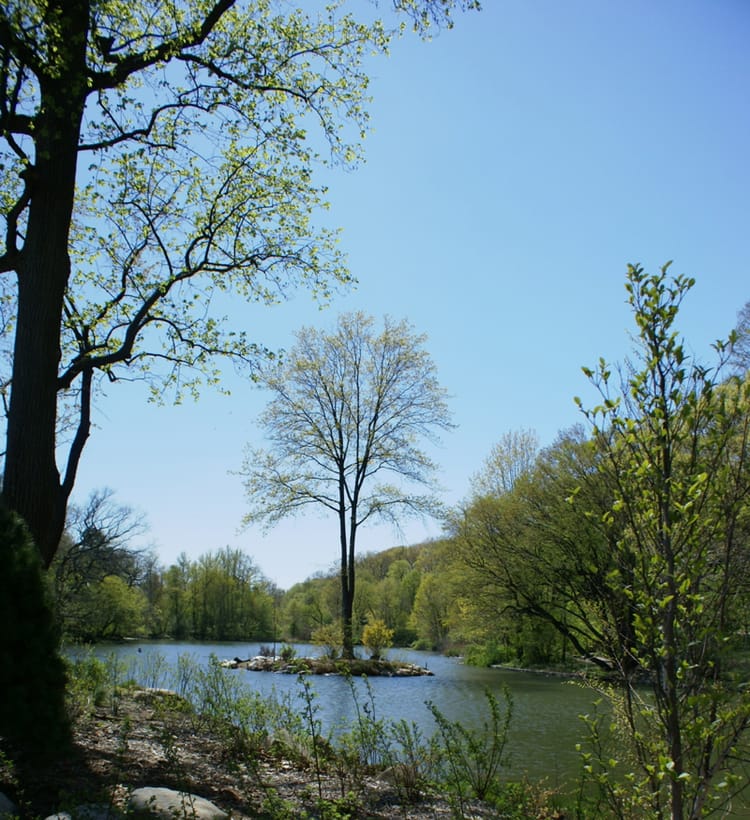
{"type": "Point", "coordinates": [287, 653]}
{"type": "Point", "coordinates": [472, 758]}
{"type": "Point", "coordinates": [376, 637]}
{"type": "Point", "coordinates": [87, 685]}
{"type": "Point", "coordinates": [330, 638]}
{"type": "Point", "coordinates": [489, 653]}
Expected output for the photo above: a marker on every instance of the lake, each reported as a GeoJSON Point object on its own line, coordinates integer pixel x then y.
{"type": "Point", "coordinates": [544, 730]}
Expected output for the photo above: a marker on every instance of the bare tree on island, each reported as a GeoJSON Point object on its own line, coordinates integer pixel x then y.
{"type": "Point", "coordinates": [348, 415]}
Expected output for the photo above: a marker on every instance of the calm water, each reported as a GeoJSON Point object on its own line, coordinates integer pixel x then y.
{"type": "Point", "coordinates": [544, 730]}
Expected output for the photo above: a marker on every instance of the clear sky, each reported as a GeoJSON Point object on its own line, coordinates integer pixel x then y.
{"type": "Point", "coordinates": [516, 165]}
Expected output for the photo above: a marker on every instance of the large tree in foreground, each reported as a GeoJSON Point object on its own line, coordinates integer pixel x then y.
{"type": "Point", "coordinates": [349, 410]}
{"type": "Point", "coordinates": [155, 158]}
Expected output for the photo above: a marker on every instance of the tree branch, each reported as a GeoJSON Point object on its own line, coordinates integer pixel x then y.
{"type": "Point", "coordinates": [9, 260]}
{"type": "Point", "coordinates": [13, 45]}
{"type": "Point", "coordinates": [82, 434]}
{"type": "Point", "coordinates": [133, 63]}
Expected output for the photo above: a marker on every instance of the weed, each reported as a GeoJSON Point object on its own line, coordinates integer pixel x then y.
{"type": "Point", "coordinates": [87, 677]}
{"type": "Point", "coordinates": [152, 670]}
{"type": "Point", "coordinates": [287, 653]}
{"type": "Point", "coordinates": [342, 808]}
{"type": "Point", "coordinates": [184, 674]}
{"type": "Point", "coordinates": [472, 758]}
{"type": "Point", "coordinates": [313, 726]}
{"type": "Point", "coordinates": [369, 737]}
{"type": "Point", "coordinates": [412, 761]}
{"type": "Point", "coordinates": [116, 677]}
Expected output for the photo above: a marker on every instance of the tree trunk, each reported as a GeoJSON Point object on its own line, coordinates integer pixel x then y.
{"type": "Point", "coordinates": [31, 483]}
{"type": "Point", "coordinates": [347, 590]}
{"type": "Point", "coordinates": [349, 643]}
{"type": "Point", "coordinates": [347, 611]}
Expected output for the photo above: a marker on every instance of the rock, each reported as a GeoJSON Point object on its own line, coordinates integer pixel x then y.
{"type": "Point", "coordinates": [261, 663]}
{"type": "Point", "coordinates": [172, 805]}
{"type": "Point", "coordinates": [411, 670]}
{"type": "Point", "coordinates": [153, 693]}
{"type": "Point", "coordinates": [7, 807]}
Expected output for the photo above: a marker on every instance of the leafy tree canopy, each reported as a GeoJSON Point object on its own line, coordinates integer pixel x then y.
{"type": "Point", "coordinates": [155, 159]}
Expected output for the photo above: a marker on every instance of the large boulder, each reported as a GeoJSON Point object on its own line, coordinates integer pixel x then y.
{"type": "Point", "coordinates": [172, 805]}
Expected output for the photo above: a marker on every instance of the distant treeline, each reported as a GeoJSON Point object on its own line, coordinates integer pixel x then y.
{"type": "Point", "coordinates": [105, 590]}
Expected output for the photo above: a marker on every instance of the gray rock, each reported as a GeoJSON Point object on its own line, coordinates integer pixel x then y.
{"type": "Point", "coordinates": [172, 805]}
{"type": "Point", "coordinates": [87, 813]}
{"type": "Point", "coordinates": [7, 807]}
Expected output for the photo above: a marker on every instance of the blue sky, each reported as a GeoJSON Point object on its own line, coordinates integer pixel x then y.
{"type": "Point", "coordinates": [516, 165]}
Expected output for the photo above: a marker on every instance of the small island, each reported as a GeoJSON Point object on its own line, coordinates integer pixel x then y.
{"type": "Point", "coordinates": [355, 667]}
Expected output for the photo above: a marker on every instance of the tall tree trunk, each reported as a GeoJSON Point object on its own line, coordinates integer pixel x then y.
{"type": "Point", "coordinates": [349, 628]}
{"type": "Point", "coordinates": [31, 483]}
{"type": "Point", "coordinates": [347, 590]}
{"type": "Point", "coordinates": [347, 607]}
